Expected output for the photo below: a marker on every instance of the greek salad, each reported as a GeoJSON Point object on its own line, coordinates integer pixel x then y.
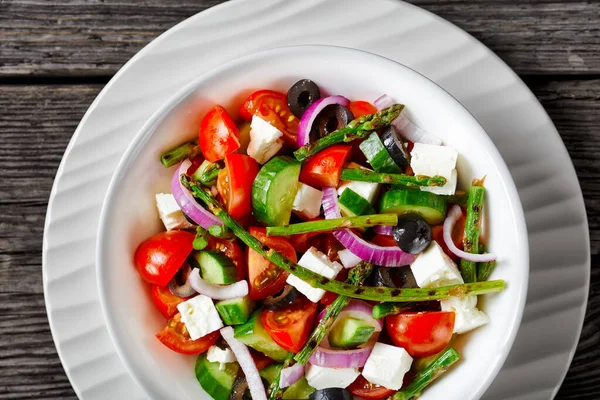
{"type": "Point", "coordinates": [316, 248]}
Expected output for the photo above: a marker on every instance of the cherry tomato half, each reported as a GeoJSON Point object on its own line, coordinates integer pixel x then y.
{"type": "Point", "coordinates": [325, 167]}
{"type": "Point", "coordinates": [290, 326]}
{"type": "Point", "coordinates": [159, 257]}
{"type": "Point", "coordinates": [272, 107]}
{"type": "Point", "coordinates": [362, 388]}
{"type": "Point", "coordinates": [165, 301]}
{"type": "Point", "coordinates": [421, 334]}
{"type": "Point", "coordinates": [234, 184]}
{"type": "Point", "coordinates": [218, 135]}
{"type": "Point", "coordinates": [176, 337]}
{"type": "Point", "coordinates": [264, 277]}
{"type": "Point", "coordinates": [360, 108]}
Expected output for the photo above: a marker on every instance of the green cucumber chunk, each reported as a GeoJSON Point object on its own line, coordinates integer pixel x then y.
{"type": "Point", "coordinates": [300, 390]}
{"type": "Point", "coordinates": [350, 332]}
{"type": "Point", "coordinates": [431, 207]}
{"type": "Point", "coordinates": [235, 311]}
{"type": "Point", "coordinates": [378, 156]}
{"type": "Point", "coordinates": [274, 190]}
{"type": "Point", "coordinates": [254, 334]}
{"type": "Point", "coordinates": [216, 267]}
{"type": "Point", "coordinates": [352, 204]}
{"type": "Point", "coordinates": [270, 372]}
{"type": "Point", "coordinates": [216, 382]}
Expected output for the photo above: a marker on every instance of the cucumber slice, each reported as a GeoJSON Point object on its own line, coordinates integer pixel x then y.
{"type": "Point", "coordinates": [216, 267]}
{"type": "Point", "coordinates": [274, 190]}
{"type": "Point", "coordinates": [431, 207]}
{"type": "Point", "coordinates": [378, 156]}
{"type": "Point", "coordinates": [235, 311]}
{"type": "Point", "coordinates": [217, 382]}
{"type": "Point", "coordinates": [300, 390]}
{"type": "Point", "coordinates": [350, 332]}
{"type": "Point", "coordinates": [270, 372]}
{"type": "Point", "coordinates": [254, 334]}
{"type": "Point", "coordinates": [353, 204]}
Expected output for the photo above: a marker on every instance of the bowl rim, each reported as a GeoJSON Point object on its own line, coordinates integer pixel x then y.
{"type": "Point", "coordinates": [147, 130]}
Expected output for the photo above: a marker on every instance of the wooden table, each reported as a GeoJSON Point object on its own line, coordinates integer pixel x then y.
{"type": "Point", "coordinates": [56, 56]}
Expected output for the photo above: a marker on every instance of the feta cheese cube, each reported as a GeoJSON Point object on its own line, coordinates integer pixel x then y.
{"type": "Point", "coordinates": [200, 316]}
{"type": "Point", "coordinates": [387, 365]}
{"type": "Point", "coordinates": [467, 316]}
{"type": "Point", "coordinates": [222, 356]}
{"type": "Point", "coordinates": [433, 268]}
{"type": "Point", "coordinates": [367, 190]}
{"type": "Point", "coordinates": [170, 213]}
{"type": "Point", "coordinates": [323, 378]}
{"type": "Point", "coordinates": [307, 203]}
{"type": "Point", "coordinates": [265, 140]}
{"type": "Point", "coordinates": [318, 263]}
{"type": "Point", "coordinates": [348, 258]}
{"type": "Point", "coordinates": [430, 160]}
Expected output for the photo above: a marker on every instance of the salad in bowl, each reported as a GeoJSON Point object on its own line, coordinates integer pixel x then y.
{"type": "Point", "coordinates": [312, 240]}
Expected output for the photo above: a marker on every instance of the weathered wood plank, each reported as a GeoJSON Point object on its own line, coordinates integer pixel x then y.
{"type": "Point", "coordinates": [71, 38]}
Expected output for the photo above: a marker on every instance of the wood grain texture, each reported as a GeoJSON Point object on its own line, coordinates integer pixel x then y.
{"type": "Point", "coordinates": [75, 38]}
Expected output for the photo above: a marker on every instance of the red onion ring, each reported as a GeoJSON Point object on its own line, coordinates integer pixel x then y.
{"type": "Point", "coordinates": [383, 101]}
{"type": "Point", "coordinates": [385, 230]}
{"type": "Point", "coordinates": [453, 216]}
{"type": "Point", "coordinates": [329, 358]}
{"type": "Point", "coordinates": [360, 310]}
{"type": "Point", "coordinates": [311, 113]}
{"type": "Point", "coordinates": [187, 203]}
{"type": "Point", "coordinates": [217, 292]}
{"type": "Point", "coordinates": [413, 133]}
{"type": "Point", "coordinates": [291, 375]}
{"type": "Point", "coordinates": [386, 256]}
{"type": "Point", "coordinates": [244, 358]}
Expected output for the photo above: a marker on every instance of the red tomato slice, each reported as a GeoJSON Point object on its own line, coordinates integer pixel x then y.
{"type": "Point", "coordinates": [383, 240]}
{"type": "Point", "coordinates": [176, 337]}
{"type": "Point", "coordinates": [218, 135]}
{"type": "Point", "coordinates": [360, 108]}
{"type": "Point", "coordinates": [421, 334]}
{"type": "Point", "coordinates": [264, 277]}
{"type": "Point", "coordinates": [235, 184]}
{"type": "Point", "coordinates": [272, 107]}
{"type": "Point", "coordinates": [158, 258]}
{"type": "Point", "coordinates": [232, 250]}
{"type": "Point", "coordinates": [458, 233]}
{"type": "Point", "coordinates": [260, 360]}
{"type": "Point", "coordinates": [369, 391]}
{"type": "Point", "coordinates": [325, 167]}
{"type": "Point", "coordinates": [165, 301]}
{"type": "Point", "coordinates": [290, 327]}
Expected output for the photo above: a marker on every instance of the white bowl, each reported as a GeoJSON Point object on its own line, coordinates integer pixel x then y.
{"type": "Point", "coordinates": [129, 215]}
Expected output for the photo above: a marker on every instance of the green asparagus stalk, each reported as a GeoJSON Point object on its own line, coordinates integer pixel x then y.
{"type": "Point", "coordinates": [201, 240]}
{"type": "Point", "coordinates": [472, 231]}
{"type": "Point", "coordinates": [384, 309]}
{"type": "Point", "coordinates": [177, 154]}
{"type": "Point", "coordinates": [356, 129]}
{"type": "Point", "coordinates": [484, 269]}
{"type": "Point", "coordinates": [275, 391]}
{"type": "Point", "coordinates": [356, 277]}
{"type": "Point", "coordinates": [428, 375]}
{"type": "Point", "coordinates": [221, 232]}
{"type": "Point", "coordinates": [365, 175]}
{"type": "Point", "coordinates": [207, 173]}
{"type": "Point", "coordinates": [331, 285]}
{"type": "Point", "coordinates": [361, 221]}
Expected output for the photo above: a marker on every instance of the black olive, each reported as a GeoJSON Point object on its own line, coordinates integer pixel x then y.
{"type": "Point", "coordinates": [285, 297]}
{"type": "Point", "coordinates": [331, 394]}
{"type": "Point", "coordinates": [301, 95]}
{"type": "Point", "coordinates": [394, 277]}
{"type": "Point", "coordinates": [240, 390]}
{"type": "Point", "coordinates": [395, 146]}
{"type": "Point", "coordinates": [179, 285]}
{"type": "Point", "coordinates": [331, 118]}
{"type": "Point", "coordinates": [412, 234]}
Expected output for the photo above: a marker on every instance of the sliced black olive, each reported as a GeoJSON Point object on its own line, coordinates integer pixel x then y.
{"type": "Point", "coordinates": [412, 234]}
{"type": "Point", "coordinates": [331, 118]}
{"type": "Point", "coordinates": [240, 389]}
{"type": "Point", "coordinates": [395, 146]}
{"type": "Point", "coordinates": [279, 300]}
{"type": "Point", "coordinates": [394, 277]}
{"type": "Point", "coordinates": [331, 394]}
{"type": "Point", "coordinates": [301, 95]}
{"type": "Point", "coordinates": [179, 285]}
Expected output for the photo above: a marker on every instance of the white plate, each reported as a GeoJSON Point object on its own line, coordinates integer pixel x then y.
{"type": "Point", "coordinates": [516, 122]}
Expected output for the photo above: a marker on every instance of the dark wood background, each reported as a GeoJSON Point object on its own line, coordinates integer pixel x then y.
{"type": "Point", "coordinates": [55, 56]}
